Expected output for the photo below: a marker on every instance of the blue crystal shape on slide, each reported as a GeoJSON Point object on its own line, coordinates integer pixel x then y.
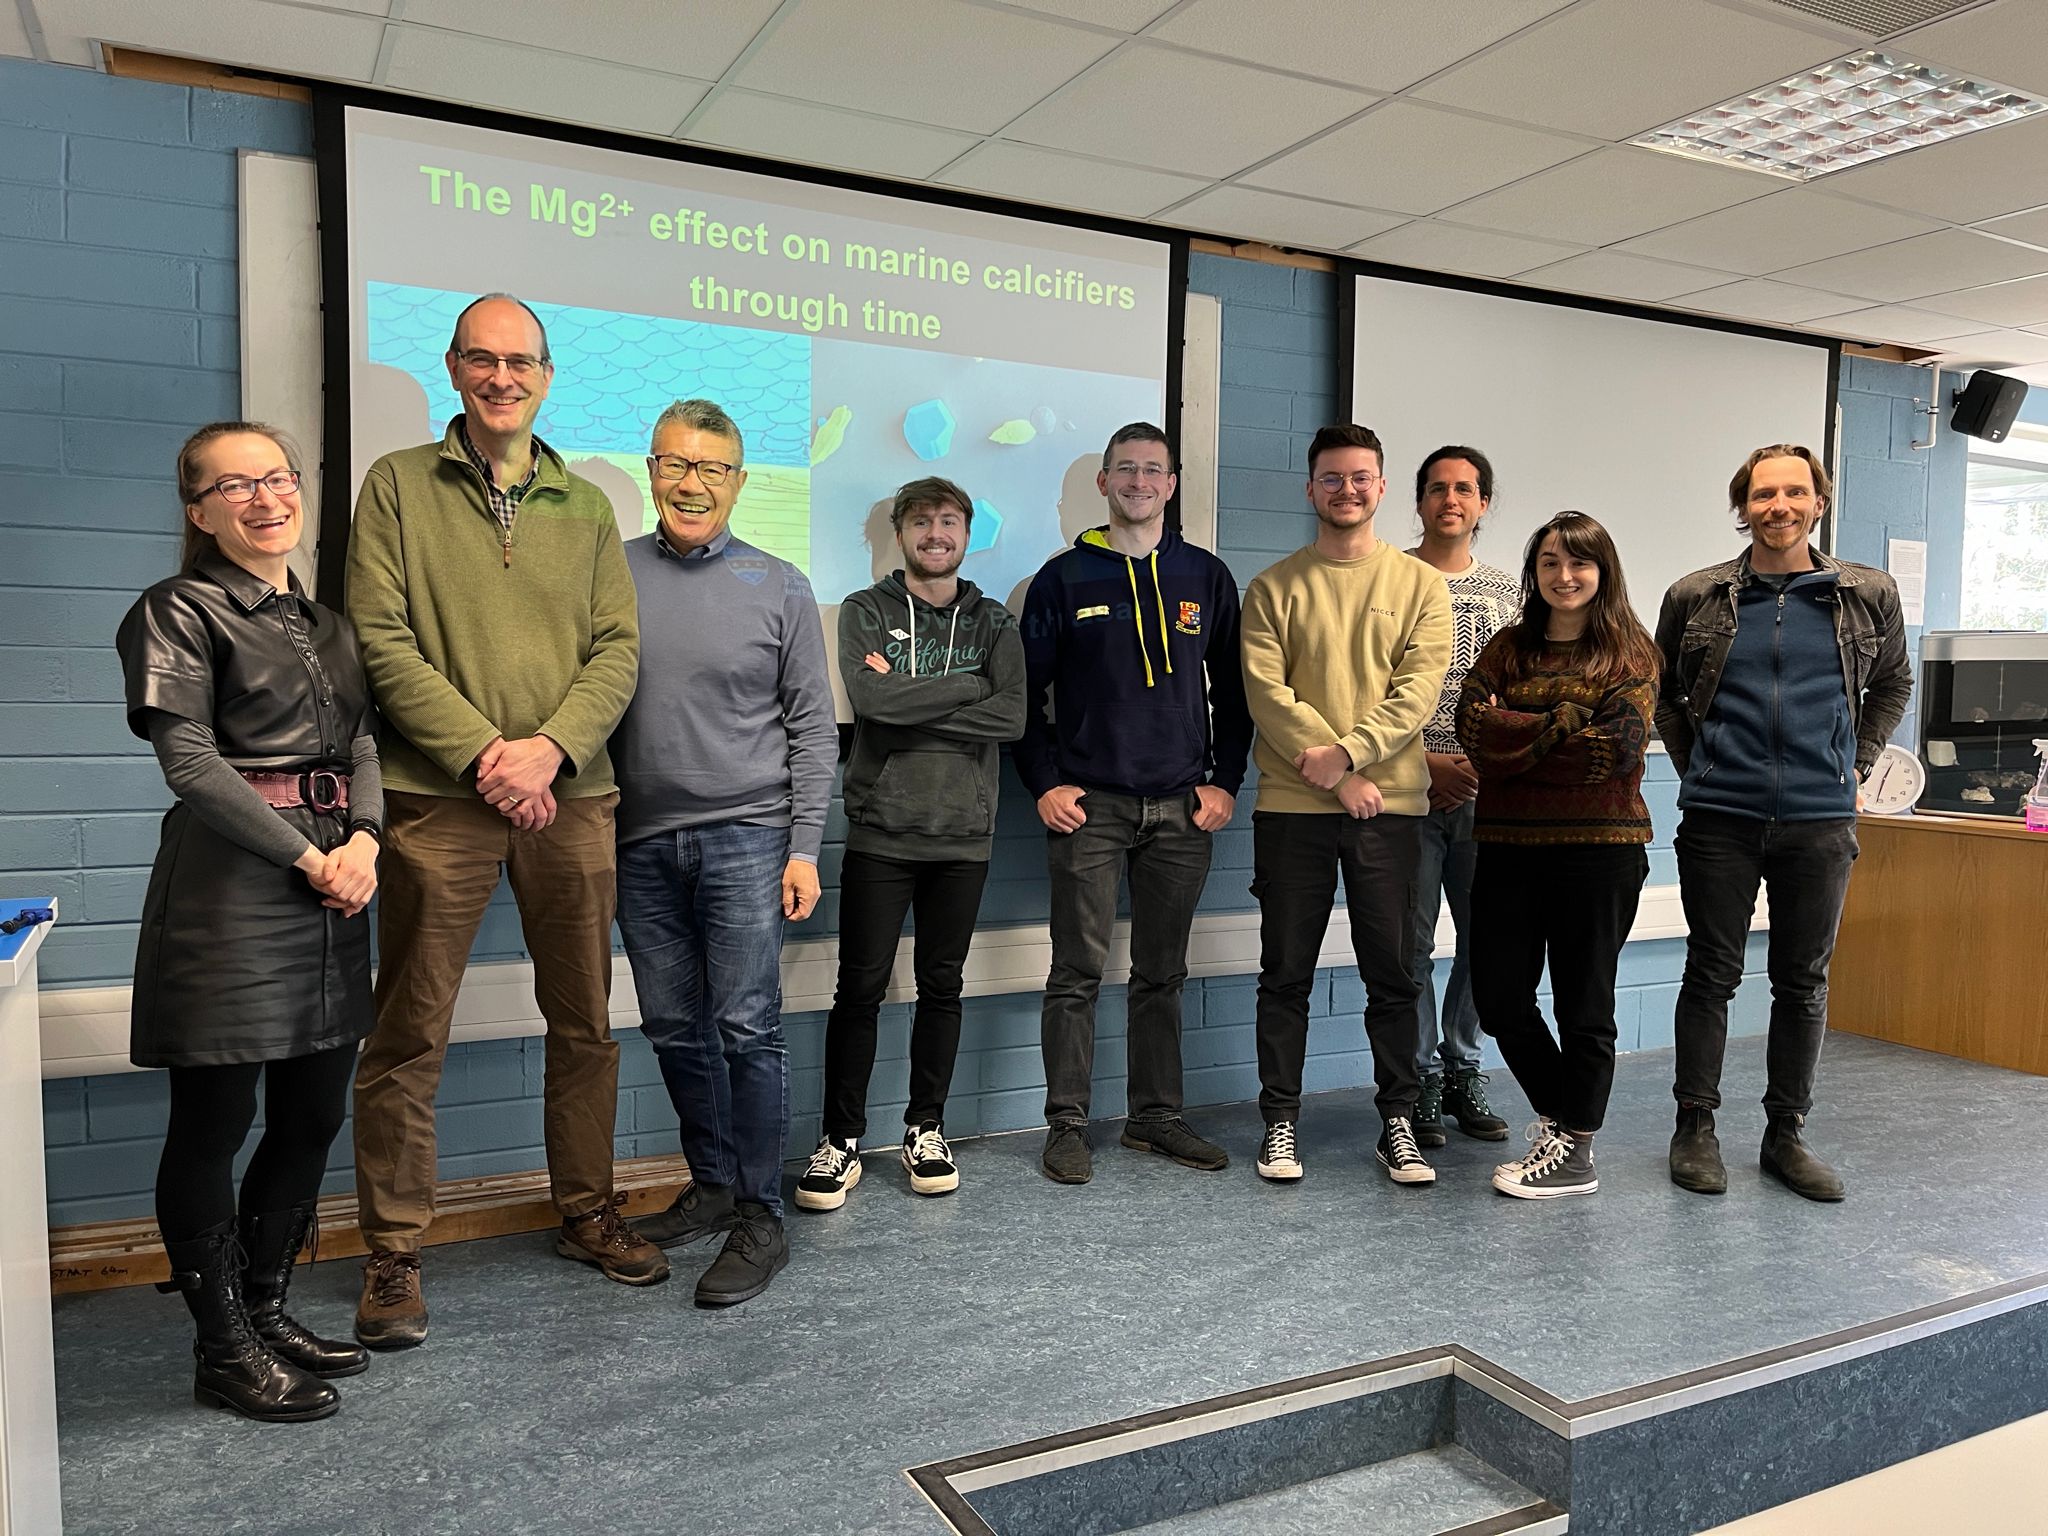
{"type": "Point", "coordinates": [928, 428]}
{"type": "Point", "coordinates": [988, 523]}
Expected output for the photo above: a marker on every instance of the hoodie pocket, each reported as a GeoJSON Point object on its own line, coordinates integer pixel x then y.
{"type": "Point", "coordinates": [1146, 748]}
{"type": "Point", "coordinates": [936, 794]}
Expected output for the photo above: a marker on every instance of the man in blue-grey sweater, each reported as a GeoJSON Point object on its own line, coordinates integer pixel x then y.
{"type": "Point", "coordinates": [724, 761]}
{"type": "Point", "coordinates": [1784, 672]}
{"type": "Point", "coordinates": [1129, 775]}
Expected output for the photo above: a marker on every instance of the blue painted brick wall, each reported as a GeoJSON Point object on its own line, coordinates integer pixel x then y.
{"type": "Point", "coordinates": [117, 333]}
{"type": "Point", "coordinates": [1891, 490]}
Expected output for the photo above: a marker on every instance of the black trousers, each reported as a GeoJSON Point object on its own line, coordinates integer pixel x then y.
{"type": "Point", "coordinates": [874, 895]}
{"type": "Point", "coordinates": [305, 1101]}
{"type": "Point", "coordinates": [1295, 859]}
{"type": "Point", "coordinates": [1805, 866]}
{"type": "Point", "coordinates": [1574, 905]}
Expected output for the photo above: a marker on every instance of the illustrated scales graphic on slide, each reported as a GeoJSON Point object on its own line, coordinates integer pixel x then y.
{"type": "Point", "coordinates": [831, 427]}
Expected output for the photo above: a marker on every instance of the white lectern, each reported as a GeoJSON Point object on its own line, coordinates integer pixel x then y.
{"type": "Point", "coordinates": [30, 1503]}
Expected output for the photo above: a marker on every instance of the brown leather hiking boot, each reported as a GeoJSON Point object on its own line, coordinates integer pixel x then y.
{"type": "Point", "coordinates": [601, 1237]}
{"type": "Point", "coordinates": [393, 1311]}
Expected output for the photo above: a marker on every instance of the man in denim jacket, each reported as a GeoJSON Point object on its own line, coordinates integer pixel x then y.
{"type": "Point", "coordinates": [1784, 672]}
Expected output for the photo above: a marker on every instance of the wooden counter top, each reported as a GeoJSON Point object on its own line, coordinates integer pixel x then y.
{"type": "Point", "coordinates": [1958, 826]}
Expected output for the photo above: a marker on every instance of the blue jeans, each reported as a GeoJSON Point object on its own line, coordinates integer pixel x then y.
{"type": "Point", "coordinates": [1447, 1039]}
{"type": "Point", "coordinates": [701, 913]}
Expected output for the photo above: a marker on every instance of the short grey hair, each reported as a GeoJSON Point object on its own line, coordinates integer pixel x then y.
{"type": "Point", "coordinates": [702, 416]}
{"type": "Point", "coordinates": [455, 336]}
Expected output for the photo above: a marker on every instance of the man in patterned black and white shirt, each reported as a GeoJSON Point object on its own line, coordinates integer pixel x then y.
{"type": "Point", "coordinates": [1453, 489]}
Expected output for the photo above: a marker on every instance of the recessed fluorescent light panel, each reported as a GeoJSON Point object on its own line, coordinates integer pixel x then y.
{"type": "Point", "coordinates": [1850, 112]}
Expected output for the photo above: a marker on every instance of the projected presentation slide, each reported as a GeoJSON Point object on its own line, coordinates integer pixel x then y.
{"type": "Point", "coordinates": [858, 340]}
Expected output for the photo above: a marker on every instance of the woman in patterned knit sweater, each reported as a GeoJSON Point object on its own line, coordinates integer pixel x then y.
{"type": "Point", "coordinates": [1555, 716]}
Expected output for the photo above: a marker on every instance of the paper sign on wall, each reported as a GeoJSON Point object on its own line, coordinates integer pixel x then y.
{"type": "Point", "coordinates": [1907, 561]}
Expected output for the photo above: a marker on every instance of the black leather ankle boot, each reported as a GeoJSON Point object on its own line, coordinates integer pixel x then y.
{"type": "Point", "coordinates": [235, 1370]}
{"type": "Point", "coordinates": [1696, 1152]}
{"type": "Point", "coordinates": [273, 1241]}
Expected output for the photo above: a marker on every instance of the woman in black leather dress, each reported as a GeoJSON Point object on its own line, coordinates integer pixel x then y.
{"type": "Point", "coordinates": [254, 956]}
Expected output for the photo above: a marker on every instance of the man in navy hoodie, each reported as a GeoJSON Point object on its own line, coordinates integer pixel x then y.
{"type": "Point", "coordinates": [1129, 774]}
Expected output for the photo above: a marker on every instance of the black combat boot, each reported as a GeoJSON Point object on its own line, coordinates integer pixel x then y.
{"type": "Point", "coordinates": [236, 1370]}
{"type": "Point", "coordinates": [273, 1242]}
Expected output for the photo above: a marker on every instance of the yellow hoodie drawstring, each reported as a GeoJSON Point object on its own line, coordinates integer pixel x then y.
{"type": "Point", "coordinates": [1165, 647]}
{"type": "Point", "coordinates": [1138, 615]}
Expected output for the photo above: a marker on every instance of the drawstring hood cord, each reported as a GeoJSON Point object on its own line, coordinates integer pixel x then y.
{"type": "Point", "coordinates": [1138, 616]}
{"type": "Point", "coordinates": [953, 633]}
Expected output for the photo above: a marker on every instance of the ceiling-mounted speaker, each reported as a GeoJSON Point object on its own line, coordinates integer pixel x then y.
{"type": "Point", "coordinates": [1987, 406]}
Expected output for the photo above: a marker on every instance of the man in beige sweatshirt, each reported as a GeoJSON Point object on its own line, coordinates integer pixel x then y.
{"type": "Point", "coordinates": [1345, 645]}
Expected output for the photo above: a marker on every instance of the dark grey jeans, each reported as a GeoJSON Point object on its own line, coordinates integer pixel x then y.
{"type": "Point", "coordinates": [1156, 843]}
{"type": "Point", "coordinates": [1805, 866]}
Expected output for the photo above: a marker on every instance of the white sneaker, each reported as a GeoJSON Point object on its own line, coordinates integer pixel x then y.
{"type": "Point", "coordinates": [833, 1169]}
{"type": "Point", "coordinates": [1558, 1164]}
{"type": "Point", "coordinates": [928, 1160]}
{"type": "Point", "coordinates": [1399, 1155]}
{"type": "Point", "coordinates": [1278, 1160]}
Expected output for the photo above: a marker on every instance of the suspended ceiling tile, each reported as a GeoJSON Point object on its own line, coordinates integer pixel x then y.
{"type": "Point", "coordinates": [14, 35]}
{"type": "Point", "coordinates": [1413, 158]}
{"type": "Point", "coordinates": [2006, 42]}
{"type": "Point", "coordinates": [1614, 68]}
{"type": "Point", "coordinates": [808, 134]}
{"type": "Point", "coordinates": [1384, 46]}
{"type": "Point", "coordinates": [528, 80]}
{"type": "Point", "coordinates": [1781, 230]}
{"type": "Point", "coordinates": [1437, 247]}
{"type": "Point", "coordinates": [1892, 322]}
{"type": "Point", "coordinates": [948, 64]}
{"type": "Point", "coordinates": [1998, 349]}
{"type": "Point", "coordinates": [2030, 227]}
{"type": "Point", "coordinates": [1124, 15]}
{"type": "Point", "coordinates": [1183, 112]}
{"type": "Point", "coordinates": [1941, 262]}
{"type": "Point", "coordinates": [1611, 275]}
{"type": "Point", "coordinates": [637, 32]}
{"type": "Point", "coordinates": [1277, 219]}
{"type": "Point", "coordinates": [324, 44]}
{"type": "Point", "coordinates": [1978, 176]}
{"type": "Point", "coordinates": [1034, 175]}
{"type": "Point", "coordinates": [2024, 302]}
{"type": "Point", "coordinates": [1612, 194]}
{"type": "Point", "coordinates": [1758, 298]}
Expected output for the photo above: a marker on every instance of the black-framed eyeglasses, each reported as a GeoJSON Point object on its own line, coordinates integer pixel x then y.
{"type": "Point", "coordinates": [520, 365]}
{"type": "Point", "coordinates": [237, 490]}
{"type": "Point", "coordinates": [1360, 480]}
{"type": "Point", "coordinates": [672, 466]}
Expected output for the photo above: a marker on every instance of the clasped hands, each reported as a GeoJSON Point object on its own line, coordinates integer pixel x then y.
{"type": "Point", "coordinates": [517, 779]}
{"type": "Point", "coordinates": [345, 877]}
{"type": "Point", "coordinates": [1330, 768]}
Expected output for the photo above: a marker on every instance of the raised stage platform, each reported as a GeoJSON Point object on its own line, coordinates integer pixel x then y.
{"type": "Point", "coordinates": [1177, 1351]}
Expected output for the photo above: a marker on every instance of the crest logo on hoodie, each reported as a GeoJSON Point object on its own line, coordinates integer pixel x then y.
{"type": "Point", "coordinates": [750, 567]}
{"type": "Point", "coordinates": [1190, 620]}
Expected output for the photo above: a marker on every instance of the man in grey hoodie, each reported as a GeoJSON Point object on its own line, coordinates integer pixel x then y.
{"type": "Point", "coordinates": [934, 671]}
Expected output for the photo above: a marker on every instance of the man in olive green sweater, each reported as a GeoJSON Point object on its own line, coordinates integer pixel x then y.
{"type": "Point", "coordinates": [500, 633]}
{"type": "Point", "coordinates": [1345, 645]}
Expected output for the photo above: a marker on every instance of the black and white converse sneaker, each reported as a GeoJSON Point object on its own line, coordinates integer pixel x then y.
{"type": "Point", "coordinates": [928, 1160]}
{"type": "Point", "coordinates": [1399, 1155]}
{"type": "Point", "coordinates": [1278, 1159]}
{"type": "Point", "coordinates": [833, 1169]}
{"type": "Point", "coordinates": [1558, 1163]}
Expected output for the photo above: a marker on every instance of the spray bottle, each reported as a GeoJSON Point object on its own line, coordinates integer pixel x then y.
{"type": "Point", "coordinates": [2037, 801]}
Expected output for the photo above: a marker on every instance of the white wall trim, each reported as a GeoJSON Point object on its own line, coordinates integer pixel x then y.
{"type": "Point", "coordinates": [85, 1029]}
